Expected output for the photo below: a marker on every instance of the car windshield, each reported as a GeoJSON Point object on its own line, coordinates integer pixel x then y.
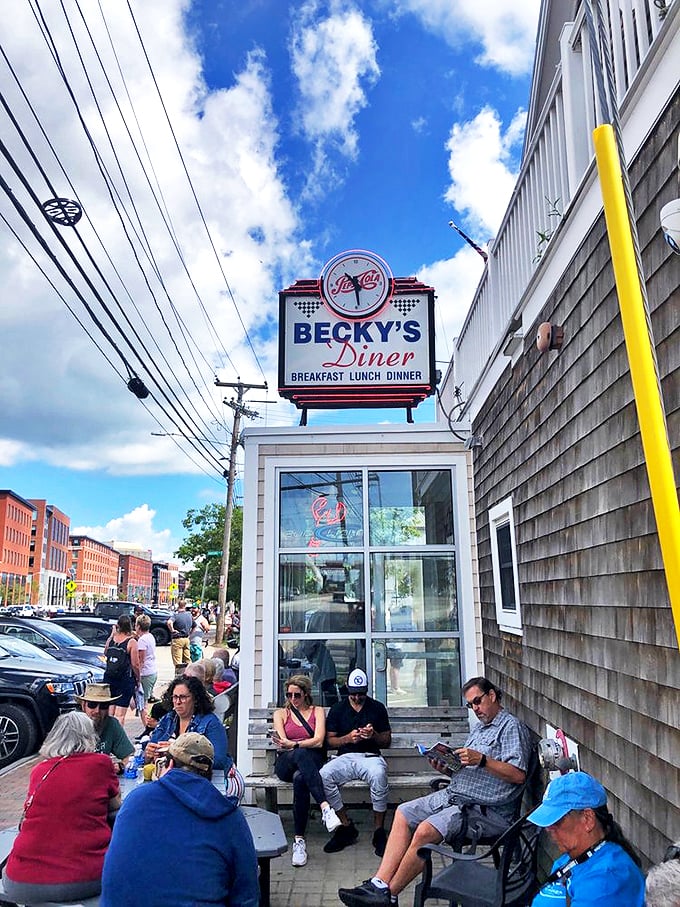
{"type": "Point", "coordinates": [12, 645]}
{"type": "Point", "coordinates": [62, 636]}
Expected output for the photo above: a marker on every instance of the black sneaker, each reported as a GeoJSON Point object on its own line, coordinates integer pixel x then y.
{"type": "Point", "coordinates": [366, 894]}
{"type": "Point", "coordinates": [342, 837]}
{"type": "Point", "coordinates": [379, 841]}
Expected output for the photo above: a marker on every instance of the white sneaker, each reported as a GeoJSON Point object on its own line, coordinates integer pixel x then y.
{"type": "Point", "coordinates": [330, 819]}
{"type": "Point", "coordinates": [299, 852]}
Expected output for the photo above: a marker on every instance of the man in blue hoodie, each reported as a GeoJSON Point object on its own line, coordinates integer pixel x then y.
{"type": "Point", "coordinates": [187, 841]}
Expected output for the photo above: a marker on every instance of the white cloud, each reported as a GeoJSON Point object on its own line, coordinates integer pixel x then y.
{"type": "Point", "coordinates": [60, 399]}
{"type": "Point", "coordinates": [135, 527]}
{"type": "Point", "coordinates": [455, 280]}
{"type": "Point", "coordinates": [334, 61]}
{"type": "Point", "coordinates": [505, 29]}
{"type": "Point", "coordinates": [480, 164]}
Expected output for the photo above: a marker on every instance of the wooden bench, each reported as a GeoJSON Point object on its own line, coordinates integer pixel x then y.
{"type": "Point", "coordinates": [408, 772]}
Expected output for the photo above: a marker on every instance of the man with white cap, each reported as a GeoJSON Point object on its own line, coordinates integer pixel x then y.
{"type": "Point", "coordinates": [188, 842]}
{"type": "Point", "coordinates": [598, 865]}
{"type": "Point", "coordinates": [113, 740]}
{"type": "Point", "coordinates": [358, 727]}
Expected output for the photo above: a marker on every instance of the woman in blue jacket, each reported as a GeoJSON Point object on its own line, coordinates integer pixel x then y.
{"type": "Point", "coordinates": [191, 709]}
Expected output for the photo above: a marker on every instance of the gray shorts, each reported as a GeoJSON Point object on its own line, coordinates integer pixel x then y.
{"type": "Point", "coordinates": [433, 808]}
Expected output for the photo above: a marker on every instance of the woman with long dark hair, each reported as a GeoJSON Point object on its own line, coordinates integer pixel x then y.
{"type": "Point", "coordinates": [190, 709]}
{"type": "Point", "coordinates": [299, 736]}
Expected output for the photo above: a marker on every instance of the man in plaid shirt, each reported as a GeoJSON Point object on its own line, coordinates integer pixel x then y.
{"type": "Point", "coordinates": [494, 760]}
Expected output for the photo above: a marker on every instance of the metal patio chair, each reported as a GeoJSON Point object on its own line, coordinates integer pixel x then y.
{"type": "Point", "coordinates": [504, 875]}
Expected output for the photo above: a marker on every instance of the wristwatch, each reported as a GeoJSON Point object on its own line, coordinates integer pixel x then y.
{"type": "Point", "coordinates": [482, 761]}
{"type": "Point", "coordinates": [296, 746]}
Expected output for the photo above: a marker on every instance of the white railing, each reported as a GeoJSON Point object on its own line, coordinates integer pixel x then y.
{"type": "Point", "coordinates": [556, 159]}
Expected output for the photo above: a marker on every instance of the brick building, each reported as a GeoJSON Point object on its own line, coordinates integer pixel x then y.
{"type": "Point", "coordinates": [94, 568]}
{"type": "Point", "coordinates": [50, 556]}
{"type": "Point", "coordinates": [16, 518]}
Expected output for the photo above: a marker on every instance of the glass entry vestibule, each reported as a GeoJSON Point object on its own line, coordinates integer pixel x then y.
{"type": "Point", "coordinates": [368, 578]}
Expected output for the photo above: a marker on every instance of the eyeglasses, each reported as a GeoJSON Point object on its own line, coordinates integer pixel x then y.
{"type": "Point", "coordinates": [476, 701]}
{"type": "Point", "coordinates": [180, 697]}
{"type": "Point", "coordinates": [97, 705]}
{"type": "Point", "coordinates": [160, 764]}
{"type": "Point", "coordinates": [294, 695]}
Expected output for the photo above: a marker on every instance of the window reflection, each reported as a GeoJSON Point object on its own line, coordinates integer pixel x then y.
{"type": "Point", "coordinates": [410, 508]}
{"type": "Point", "coordinates": [410, 672]}
{"type": "Point", "coordinates": [321, 593]}
{"type": "Point", "coordinates": [321, 510]}
{"type": "Point", "coordinates": [327, 662]}
{"type": "Point", "coordinates": [414, 592]}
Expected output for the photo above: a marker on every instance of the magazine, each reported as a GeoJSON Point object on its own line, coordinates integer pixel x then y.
{"type": "Point", "coordinates": [444, 753]}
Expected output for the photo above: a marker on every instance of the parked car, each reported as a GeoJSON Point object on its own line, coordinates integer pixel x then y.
{"type": "Point", "coordinates": [92, 631]}
{"type": "Point", "coordinates": [35, 689]}
{"type": "Point", "coordinates": [111, 610]}
{"type": "Point", "coordinates": [59, 642]}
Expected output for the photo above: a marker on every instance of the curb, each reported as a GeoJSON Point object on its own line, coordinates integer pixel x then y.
{"type": "Point", "coordinates": [20, 763]}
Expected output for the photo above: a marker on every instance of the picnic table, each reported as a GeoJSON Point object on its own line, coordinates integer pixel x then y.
{"type": "Point", "coordinates": [265, 827]}
{"type": "Point", "coordinates": [269, 837]}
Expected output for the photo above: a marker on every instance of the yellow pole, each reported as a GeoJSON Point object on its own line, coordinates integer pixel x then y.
{"type": "Point", "coordinates": [641, 360]}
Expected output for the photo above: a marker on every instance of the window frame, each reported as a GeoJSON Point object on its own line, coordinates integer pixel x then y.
{"type": "Point", "coordinates": [501, 515]}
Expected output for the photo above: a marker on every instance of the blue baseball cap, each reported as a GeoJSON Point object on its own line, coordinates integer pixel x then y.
{"type": "Point", "coordinates": [575, 790]}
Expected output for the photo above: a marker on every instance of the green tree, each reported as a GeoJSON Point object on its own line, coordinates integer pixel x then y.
{"type": "Point", "coordinates": [206, 533]}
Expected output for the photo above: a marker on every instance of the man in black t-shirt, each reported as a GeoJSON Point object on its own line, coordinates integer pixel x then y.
{"type": "Point", "coordinates": [358, 727]}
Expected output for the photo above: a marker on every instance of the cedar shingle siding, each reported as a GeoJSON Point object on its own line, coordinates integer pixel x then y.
{"type": "Point", "coordinates": [599, 657]}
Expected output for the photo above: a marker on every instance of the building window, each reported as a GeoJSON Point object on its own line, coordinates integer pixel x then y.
{"type": "Point", "coordinates": [504, 564]}
{"type": "Point", "coordinates": [367, 577]}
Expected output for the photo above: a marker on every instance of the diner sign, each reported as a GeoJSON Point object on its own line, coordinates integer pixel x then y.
{"type": "Point", "coordinates": [331, 355]}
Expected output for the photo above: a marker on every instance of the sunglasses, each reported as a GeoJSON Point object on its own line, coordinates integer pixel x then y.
{"type": "Point", "coordinates": [160, 764]}
{"type": "Point", "coordinates": [294, 695]}
{"type": "Point", "coordinates": [98, 705]}
{"type": "Point", "coordinates": [476, 701]}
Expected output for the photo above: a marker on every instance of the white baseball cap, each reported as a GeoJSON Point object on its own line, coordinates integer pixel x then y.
{"type": "Point", "coordinates": [357, 682]}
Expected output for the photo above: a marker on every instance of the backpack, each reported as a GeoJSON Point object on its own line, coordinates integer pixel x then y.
{"type": "Point", "coordinates": [117, 661]}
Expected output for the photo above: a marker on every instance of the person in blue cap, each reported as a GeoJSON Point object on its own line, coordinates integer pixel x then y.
{"type": "Point", "coordinates": [598, 865]}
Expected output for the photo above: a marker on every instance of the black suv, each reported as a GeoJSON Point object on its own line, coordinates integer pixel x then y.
{"type": "Point", "coordinates": [111, 610]}
{"type": "Point", "coordinates": [56, 640]}
{"type": "Point", "coordinates": [34, 690]}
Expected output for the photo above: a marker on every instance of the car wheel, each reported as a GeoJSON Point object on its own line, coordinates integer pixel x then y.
{"type": "Point", "coordinates": [161, 636]}
{"type": "Point", "coordinates": [18, 733]}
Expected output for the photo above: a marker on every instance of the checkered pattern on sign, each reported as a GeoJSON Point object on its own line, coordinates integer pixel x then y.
{"type": "Point", "coordinates": [404, 306]}
{"type": "Point", "coordinates": [307, 306]}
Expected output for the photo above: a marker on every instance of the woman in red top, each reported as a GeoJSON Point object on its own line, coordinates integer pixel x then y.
{"type": "Point", "coordinates": [59, 852]}
{"type": "Point", "coordinates": [300, 756]}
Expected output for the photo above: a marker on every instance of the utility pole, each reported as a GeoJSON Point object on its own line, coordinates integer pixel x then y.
{"type": "Point", "coordinates": [239, 411]}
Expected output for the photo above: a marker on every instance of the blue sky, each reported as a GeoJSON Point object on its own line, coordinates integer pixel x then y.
{"type": "Point", "coordinates": [306, 128]}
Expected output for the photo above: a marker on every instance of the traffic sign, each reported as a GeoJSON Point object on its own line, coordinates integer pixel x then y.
{"type": "Point", "coordinates": [214, 553]}
{"type": "Point", "coordinates": [71, 586]}
{"type": "Point", "coordinates": [173, 587]}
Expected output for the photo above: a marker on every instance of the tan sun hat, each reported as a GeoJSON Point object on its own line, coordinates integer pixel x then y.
{"type": "Point", "coordinates": [97, 692]}
{"type": "Point", "coordinates": [193, 750]}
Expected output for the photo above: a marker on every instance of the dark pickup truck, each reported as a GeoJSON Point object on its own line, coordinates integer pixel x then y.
{"type": "Point", "coordinates": [111, 610]}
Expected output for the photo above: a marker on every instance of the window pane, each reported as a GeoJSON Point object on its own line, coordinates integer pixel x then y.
{"type": "Point", "coordinates": [505, 567]}
{"type": "Point", "coordinates": [410, 508]}
{"type": "Point", "coordinates": [414, 592]}
{"type": "Point", "coordinates": [321, 510]}
{"type": "Point", "coordinates": [321, 593]}
{"type": "Point", "coordinates": [327, 662]}
{"type": "Point", "coordinates": [410, 672]}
